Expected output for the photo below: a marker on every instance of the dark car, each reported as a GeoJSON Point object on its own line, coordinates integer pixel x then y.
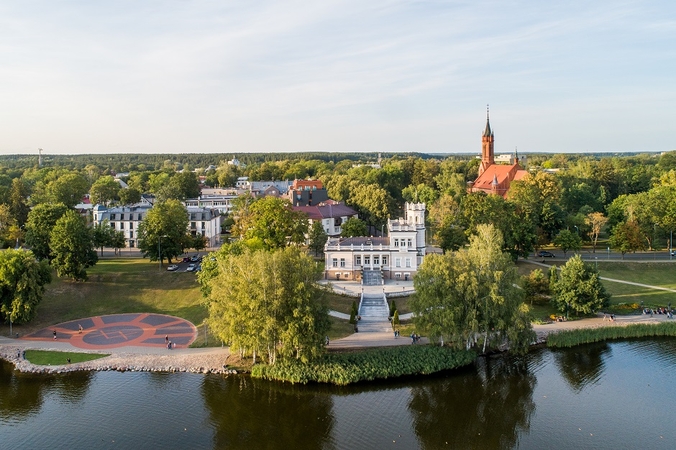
{"type": "Point", "coordinates": [186, 259]}
{"type": "Point", "coordinates": [545, 254]}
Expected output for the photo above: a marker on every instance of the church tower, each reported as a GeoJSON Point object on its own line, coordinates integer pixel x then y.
{"type": "Point", "coordinates": [487, 152]}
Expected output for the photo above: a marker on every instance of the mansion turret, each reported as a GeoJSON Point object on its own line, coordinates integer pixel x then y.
{"type": "Point", "coordinates": [397, 255]}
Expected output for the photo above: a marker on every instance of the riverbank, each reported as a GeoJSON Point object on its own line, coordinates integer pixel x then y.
{"type": "Point", "coordinates": [193, 361]}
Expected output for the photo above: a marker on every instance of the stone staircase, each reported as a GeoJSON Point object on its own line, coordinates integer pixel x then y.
{"type": "Point", "coordinates": [372, 278]}
{"type": "Point", "coordinates": [374, 313]}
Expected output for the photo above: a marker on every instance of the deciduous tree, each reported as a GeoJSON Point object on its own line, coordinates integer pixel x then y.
{"type": "Point", "coordinates": [39, 226]}
{"type": "Point", "coordinates": [104, 190]}
{"type": "Point", "coordinates": [578, 288]}
{"type": "Point", "coordinates": [567, 240]}
{"type": "Point", "coordinates": [72, 247]}
{"type": "Point", "coordinates": [165, 226]}
{"type": "Point", "coordinates": [469, 296]}
{"type": "Point", "coordinates": [22, 284]}
{"type": "Point", "coordinates": [269, 304]}
{"type": "Point", "coordinates": [353, 227]}
{"type": "Point", "coordinates": [318, 237]}
{"type": "Point", "coordinates": [271, 221]}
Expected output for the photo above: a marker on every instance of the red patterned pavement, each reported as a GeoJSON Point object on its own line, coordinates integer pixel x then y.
{"type": "Point", "coordinates": [121, 330]}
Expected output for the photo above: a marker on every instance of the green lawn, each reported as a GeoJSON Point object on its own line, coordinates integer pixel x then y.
{"type": "Point", "coordinates": [657, 274]}
{"type": "Point", "coordinates": [52, 358]}
{"type": "Point", "coordinates": [119, 286]}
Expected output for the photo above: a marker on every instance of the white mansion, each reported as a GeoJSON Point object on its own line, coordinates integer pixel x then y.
{"type": "Point", "coordinates": [396, 256]}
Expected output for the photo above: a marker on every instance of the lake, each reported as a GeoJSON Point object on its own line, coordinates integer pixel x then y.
{"type": "Point", "coordinates": [602, 396]}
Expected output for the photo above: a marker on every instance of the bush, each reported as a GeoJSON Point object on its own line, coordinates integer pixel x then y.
{"type": "Point", "coordinates": [346, 368]}
{"type": "Point", "coordinates": [393, 308]}
{"type": "Point", "coordinates": [588, 335]}
{"type": "Point", "coordinates": [353, 313]}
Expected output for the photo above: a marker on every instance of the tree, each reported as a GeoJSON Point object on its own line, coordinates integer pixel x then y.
{"type": "Point", "coordinates": [72, 248]}
{"type": "Point", "coordinates": [104, 190]}
{"type": "Point", "coordinates": [198, 242]}
{"type": "Point", "coordinates": [579, 288]}
{"type": "Point", "coordinates": [395, 320]}
{"type": "Point", "coordinates": [626, 237]}
{"type": "Point", "coordinates": [7, 224]}
{"type": "Point", "coordinates": [271, 221]}
{"type": "Point", "coordinates": [467, 295]}
{"type": "Point", "coordinates": [535, 286]}
{"type": "Point", "coordinates": [164, 230]}
{"type": "Point", "coordinates": [269, 303]}
{"type": "Point", "coordinates": [68, 189]}
{"type": "Point", "coordinates": [39, 226]}
{"type": "Point", "coordinates": [18, 204]}
{"type": "Point", "coordinates": [102, 234]}
{"type": "Point", "coordinates": [353, 227]}
{"type": "Point", "coordinates": [372, 202]}
{"type": "Point", "coordinates": [595, 221]}
{"type": "Point", "coordinates": [22, 284]}
{"type": "Point", "coordinates": [129, 196]}
{"type": "Point", "coordinates": [567, 240]}
{"type": "Point", "coordinates": [318, 237]}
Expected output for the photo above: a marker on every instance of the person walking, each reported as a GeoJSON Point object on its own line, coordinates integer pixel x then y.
{"type": "Point", "coordinates": [54, 334]}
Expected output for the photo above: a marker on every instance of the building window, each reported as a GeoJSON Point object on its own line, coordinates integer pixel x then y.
{"type": "Point", "coordinates": [396, 242]}
{"type": "Point", "coordinates": [397, 262]}
{"type": "Point", "coordinates": [193, 225]}
{"type": "Point", "coordinates": [384, 260]}
{"type": "Point", "coordinates": [112, 225]}
{"type": "Point", "coordinates": [131, 225]}
{"type": "Point", "coordinates": [397, 275]}
{"type": "Point", "coordinates": [335, 262]}
{"type": "Point", "coordinates": [408, 262]}
{"type": "Point", "coordinates": [367, 260]}
{"type": "Point", "coordinates": [376, 260]}
{"type": "Point", "coordinates": [410, 243]}
{"type": "Point", "coordinates": [342, 262]}
{"type": "Point", "coordinates": [121, 225]}
{"type": "Point", "coordinates": [357, 260]}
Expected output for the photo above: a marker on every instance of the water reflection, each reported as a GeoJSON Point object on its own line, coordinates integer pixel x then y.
{"type": "Point", "coordinates": [22, 395]}
{"type": "Point", "coordinates": [486, 406]}
{"type": "Point", "coordinates": [248, 413]}
{"type": "Point", "coordinates": [582, 366]}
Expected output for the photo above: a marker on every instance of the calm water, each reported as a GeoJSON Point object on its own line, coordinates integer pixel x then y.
{"type": "Point", "coordinates": [606, 396]}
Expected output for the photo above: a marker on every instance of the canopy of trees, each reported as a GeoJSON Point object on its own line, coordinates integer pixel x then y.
{"type": "Point", "coordinates": [468, 297]}
{"type": "Point", "coordinates": [22, 284]}
{"type": "Point", "coordinates": [267, 304]}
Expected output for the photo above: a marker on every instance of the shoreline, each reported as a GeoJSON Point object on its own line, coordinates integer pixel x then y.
{"type": "Point", "coordinates": [189, 362]}
{"type": "Point", "coordinates": [214, 359]}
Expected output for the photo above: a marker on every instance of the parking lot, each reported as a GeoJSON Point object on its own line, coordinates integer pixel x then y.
{"type": "Point", "coordinates": [188, 263]}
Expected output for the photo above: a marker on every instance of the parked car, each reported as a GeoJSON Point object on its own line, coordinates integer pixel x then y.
{"type": "Point", "coordinates": [673, 253]}
{"type": "Point", "coordinates": [191, 268]}
{"type": "Point", "coordinates": [172, 267]}
{"type": "Point", "coordinates": [186, 259]}
{"type": "Point", "coordinates": [195, 258]}
{"type": "Point", "coordinates": [545, 254]}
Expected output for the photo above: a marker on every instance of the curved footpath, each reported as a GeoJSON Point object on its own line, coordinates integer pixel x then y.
{"type": "Point", "coordinates": [138, 359]}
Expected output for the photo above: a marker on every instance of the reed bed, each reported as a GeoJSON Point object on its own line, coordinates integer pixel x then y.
{"type": "Point", "coordinates": [346, 368]}
{"type": "Point", "coordinates": [571, 338]}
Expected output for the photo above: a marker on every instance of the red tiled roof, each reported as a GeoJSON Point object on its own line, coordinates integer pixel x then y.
{"type": "Point", "coordinates": [326, 211]}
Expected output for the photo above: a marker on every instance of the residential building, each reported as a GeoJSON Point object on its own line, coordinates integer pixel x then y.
{"type": "Point", "coordinates": [331, 214]}
{"type": "Point", "coordinates": [307, 193]}
{"type": "Point", "coordinates": [396, 256]}
{"type": "Point", "coordinates": [204, 221]}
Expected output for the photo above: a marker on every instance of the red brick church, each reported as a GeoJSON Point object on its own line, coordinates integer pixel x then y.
{"type": "Point", "coordinates": [495, 178]}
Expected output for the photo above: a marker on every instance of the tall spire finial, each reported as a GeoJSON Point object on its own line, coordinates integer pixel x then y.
{"type": "Point", "coordinates": [487, 130]}
{"type": "Point", "coordinates": [487, 112]}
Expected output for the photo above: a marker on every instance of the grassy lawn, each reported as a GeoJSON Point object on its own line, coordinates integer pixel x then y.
{"type": "Point", "coordinates": [341, 303]}
{"type": "Point", "coordinates": [49, 358]}
{"type": "Point", "coordinates": [340, 328]}
{"type": "Point", "coordinates": [658, 274]}
{"type": "Point", "coordinates": [119, 286]}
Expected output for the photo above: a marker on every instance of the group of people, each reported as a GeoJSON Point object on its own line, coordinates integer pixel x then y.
{"type": "Point", "coordinates": [610, 317]}
{"type": "Point", "coordinates": [667, 312]}
{"type": "Point", "coordinates": [414, 338]}
{"type": "Point", "coordinates": [170, 344]}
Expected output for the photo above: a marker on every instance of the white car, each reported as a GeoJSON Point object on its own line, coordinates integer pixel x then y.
{"type": "Point", "coordinates": [172, 267]}
{"type": "Point", "coordinates": [191, 268]}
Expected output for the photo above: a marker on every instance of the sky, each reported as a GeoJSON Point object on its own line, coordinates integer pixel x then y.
{"type": "Point", "coordinates": [181, 76]}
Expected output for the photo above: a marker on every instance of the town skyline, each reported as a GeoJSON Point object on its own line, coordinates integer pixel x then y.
{"type": "Point", "coordinates": [340, 76]}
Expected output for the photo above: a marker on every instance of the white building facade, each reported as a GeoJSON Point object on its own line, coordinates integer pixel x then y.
{"type": "Point", "coordinates": [397, 256]}
{"type": "Point", "coordinates": [204, 221]}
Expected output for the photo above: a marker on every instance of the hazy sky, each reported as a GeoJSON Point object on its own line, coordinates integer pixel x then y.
{"type": "Point", "coordinates": [363, 75]}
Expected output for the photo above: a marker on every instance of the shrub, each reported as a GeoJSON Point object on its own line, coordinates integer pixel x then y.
{"type": "Point", "coordinates": [346, 368]}
{"type": "Point", "coordinates": [393, 308]}
{"type": "Point", "coordinates": [353, 313]}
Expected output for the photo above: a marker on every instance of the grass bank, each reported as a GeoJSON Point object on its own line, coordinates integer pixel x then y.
{"type": "Point", "coordinates": [346, 368]}
{"type": "Point", "coordinates": [571, 338]}
{"type": "Point", "coordinates": [52, 358]}
{"type": "Point", "coordinates": [120, 285]}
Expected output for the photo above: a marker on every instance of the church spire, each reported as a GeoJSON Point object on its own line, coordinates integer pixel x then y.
{"type": "Point", "coordinates": [487, 139]}
{"type": "Point", "coordinates": [488, 132]}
